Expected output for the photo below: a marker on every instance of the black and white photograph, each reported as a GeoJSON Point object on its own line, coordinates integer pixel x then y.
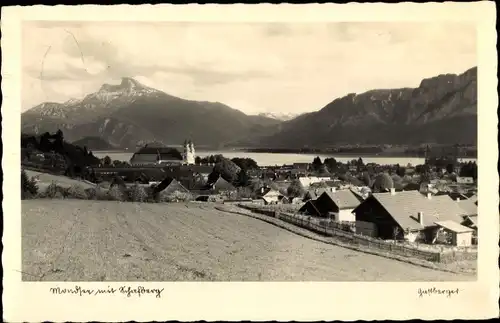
{"type": "Point", "coordinates": [249, 151]}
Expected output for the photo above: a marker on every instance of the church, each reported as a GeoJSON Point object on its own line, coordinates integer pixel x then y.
{"type": "Point", "coordinates": [156, 156]}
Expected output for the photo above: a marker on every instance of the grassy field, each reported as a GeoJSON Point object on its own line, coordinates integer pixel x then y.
{"type": "Point", "coordinates": [44, 180]}
{"type": "Point", "coordinates": [74, 240]}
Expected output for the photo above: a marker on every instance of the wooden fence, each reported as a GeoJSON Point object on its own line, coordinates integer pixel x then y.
{"type": "Point", "coordinates": [359, 240]}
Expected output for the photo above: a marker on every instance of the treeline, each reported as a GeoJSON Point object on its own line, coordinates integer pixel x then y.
{"type": "Point", "coordinates": [75, 158]}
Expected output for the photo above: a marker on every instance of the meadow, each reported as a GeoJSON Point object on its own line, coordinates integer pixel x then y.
{"type": "Point", "coordinates": [92, 240]}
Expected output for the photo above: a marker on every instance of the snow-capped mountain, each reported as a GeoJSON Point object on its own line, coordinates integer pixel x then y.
{"type": "Point", "coordinates": [281, 116]}
{"type": "Point", "coordinates": [129, 112]}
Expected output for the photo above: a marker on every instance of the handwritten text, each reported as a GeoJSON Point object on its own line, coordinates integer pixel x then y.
{"type": "Point", "coordinates": [437, 291]}
{"type": "Point", "coordinates": [123, 290]}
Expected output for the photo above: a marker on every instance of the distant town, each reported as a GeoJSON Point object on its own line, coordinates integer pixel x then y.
{"type": "Point", "coordinates": [322, 189]}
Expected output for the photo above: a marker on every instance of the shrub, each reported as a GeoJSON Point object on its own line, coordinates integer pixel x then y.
{"type": "Point", "coordinates": [175, 196]}
{"type": "Point", "coordinates": [91, 193]}
{"type": "Point", "coordinates": [116, 193]}
{"type": "Point", "coordinates": [77, 191]}
{"type": "Point", "coordinates": [97, 193]}
{"type": "Point", "coordinates": [137, 193]}
{"type": "Point", "coordinates": [29, 188]}
{"type": "Point", "coordinates": [54, 191]}
{"type": "Point", "coordinates": [244, 192]}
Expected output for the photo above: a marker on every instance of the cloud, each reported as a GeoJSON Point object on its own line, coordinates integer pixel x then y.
{"type": "Point", "coordinates": [254, 67]}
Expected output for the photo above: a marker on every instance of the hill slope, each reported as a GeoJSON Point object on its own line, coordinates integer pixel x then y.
{"type": "Point", "coordinates": [443, 109]}
{"type": "Point", "coordinates": [130, 112]}
{"type": "Point", "coordinates": [113, 241]}
{"type": "Point", "coordinates": [93, 143]}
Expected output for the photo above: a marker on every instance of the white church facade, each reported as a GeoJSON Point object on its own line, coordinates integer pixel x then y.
{"type": "Point", "coordinates": [189, 153]}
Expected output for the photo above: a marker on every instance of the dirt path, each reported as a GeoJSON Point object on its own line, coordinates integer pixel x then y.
{"type": "Point", "coordinates": [71, 240]}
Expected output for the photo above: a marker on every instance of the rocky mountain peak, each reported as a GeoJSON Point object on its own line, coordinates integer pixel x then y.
{"type": "Point", "coordinates": [127, 84]}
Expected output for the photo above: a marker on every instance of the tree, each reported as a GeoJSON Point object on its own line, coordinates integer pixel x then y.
{"type": "Point", "coordinates": [107, 161]}
{"type": "Point", "coordinates": [317, 164]}
{"type": "Point", "coordinates": [360, 162]}
{"type": "Point", "coordinates": [245, 163]}
{"type": "Point", "coordinates": [295, 189]}
{"type": "Point", "coordinates": [450, 168]}
{"type": "Point", "coordinates": [331, 164]}
{"type": "Point", "coordinates": [227, 169]}
{"type": "Point", "coordinates": [366, 179]}
{"type": "Point", "coordinates": [383, 182]}
{"type": "Point", "coordinates": [400, 171]}
{"type": "Point", "coordinates": [469, 170]}
{"type": "Point", "coordinates": [197, 160]}
{"type": "Point", "coordinates": [211, 159]}
{"type": "Point", "coordinates": [243, 179]}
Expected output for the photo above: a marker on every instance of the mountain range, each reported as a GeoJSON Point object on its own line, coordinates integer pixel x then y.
{"type": "Point", "coordinates": [443, 109]}
{"type": "Point", "coordinates": [130, 112]}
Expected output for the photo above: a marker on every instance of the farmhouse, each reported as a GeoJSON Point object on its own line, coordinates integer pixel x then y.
{"type": "Point", "coordinates": [313, 194]}
{"type": "Point", "coordinates": [406, 214]}
{"type": "Point", "coordinates": [336, 204]}
{"type": "Point", "coordinates": [270, 196]}
{"type": "Point", "coordinates": [461, 236]}
{"type": "Point", "coordinates": [170, 185]}
{"type": "Point", "coordinates": [221, 186]}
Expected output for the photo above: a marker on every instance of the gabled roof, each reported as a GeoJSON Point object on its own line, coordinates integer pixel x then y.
{"type": "Point", "coordinates": [468, 206]}
{"type": "Point", "coordinates": [344, 199]}
{"type": "Point", "coordinates": [473, 198]}
{"type": "Point", "coordinates": [221, 185]}
{"type": "Point", "coordinates": [404, 208]}
{"type": "Point", "coordinates": [453, 226]}
{"type": "Point", "coordinates": [315, 193]}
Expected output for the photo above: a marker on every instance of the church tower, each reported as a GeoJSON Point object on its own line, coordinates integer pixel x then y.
{"type": "Point", "coordinates": [189, 154]}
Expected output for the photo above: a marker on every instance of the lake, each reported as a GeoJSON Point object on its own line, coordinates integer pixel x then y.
{"type": "Point", "coordinates": [273, 159]}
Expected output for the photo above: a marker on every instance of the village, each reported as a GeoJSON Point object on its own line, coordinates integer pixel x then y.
{"type": "Point", "coordinates": [433, 206]}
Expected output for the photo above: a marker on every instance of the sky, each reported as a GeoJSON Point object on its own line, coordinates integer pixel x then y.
{"type": "Point", "coordinates": [253, 67]}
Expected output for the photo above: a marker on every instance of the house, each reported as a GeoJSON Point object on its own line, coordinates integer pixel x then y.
{"type": "Point", "coordinates": [202, 170]}
{"type": "Point", "coordinates": [308, 180]}
{"type": "Point", "coordinates": [270, 196]}
{"type": "Point", "coordinates": [313, 194]}
{"type": "Point", "coordinates": [468, 207]}
{"type": "Point", "coordinates": [473, 198]}
{"type": "Point", "coordinates": [465, 180]}
{"type": "Point", "coordinates": [461, 236]}
{"type": "Point", "coordinates": [148, 155]}
{"type": "Point", "coordinates": [455, 196]}
{"type": "Point", "coordinates": [221, 186]}
{"type": "Point", "coordinates": [406, 214]}
{"type": "Point", "coordinates": [363, 192]}
{"type": "Point", "coordinates": [332, 203]}
{"type": "Point", "coordinates": [170, 185]}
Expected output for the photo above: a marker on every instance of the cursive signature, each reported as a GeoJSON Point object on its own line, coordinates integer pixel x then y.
{"type": "Point", "coordinates": [124, 290]}
{"type": "Point", "coordinates": [437, 291]}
